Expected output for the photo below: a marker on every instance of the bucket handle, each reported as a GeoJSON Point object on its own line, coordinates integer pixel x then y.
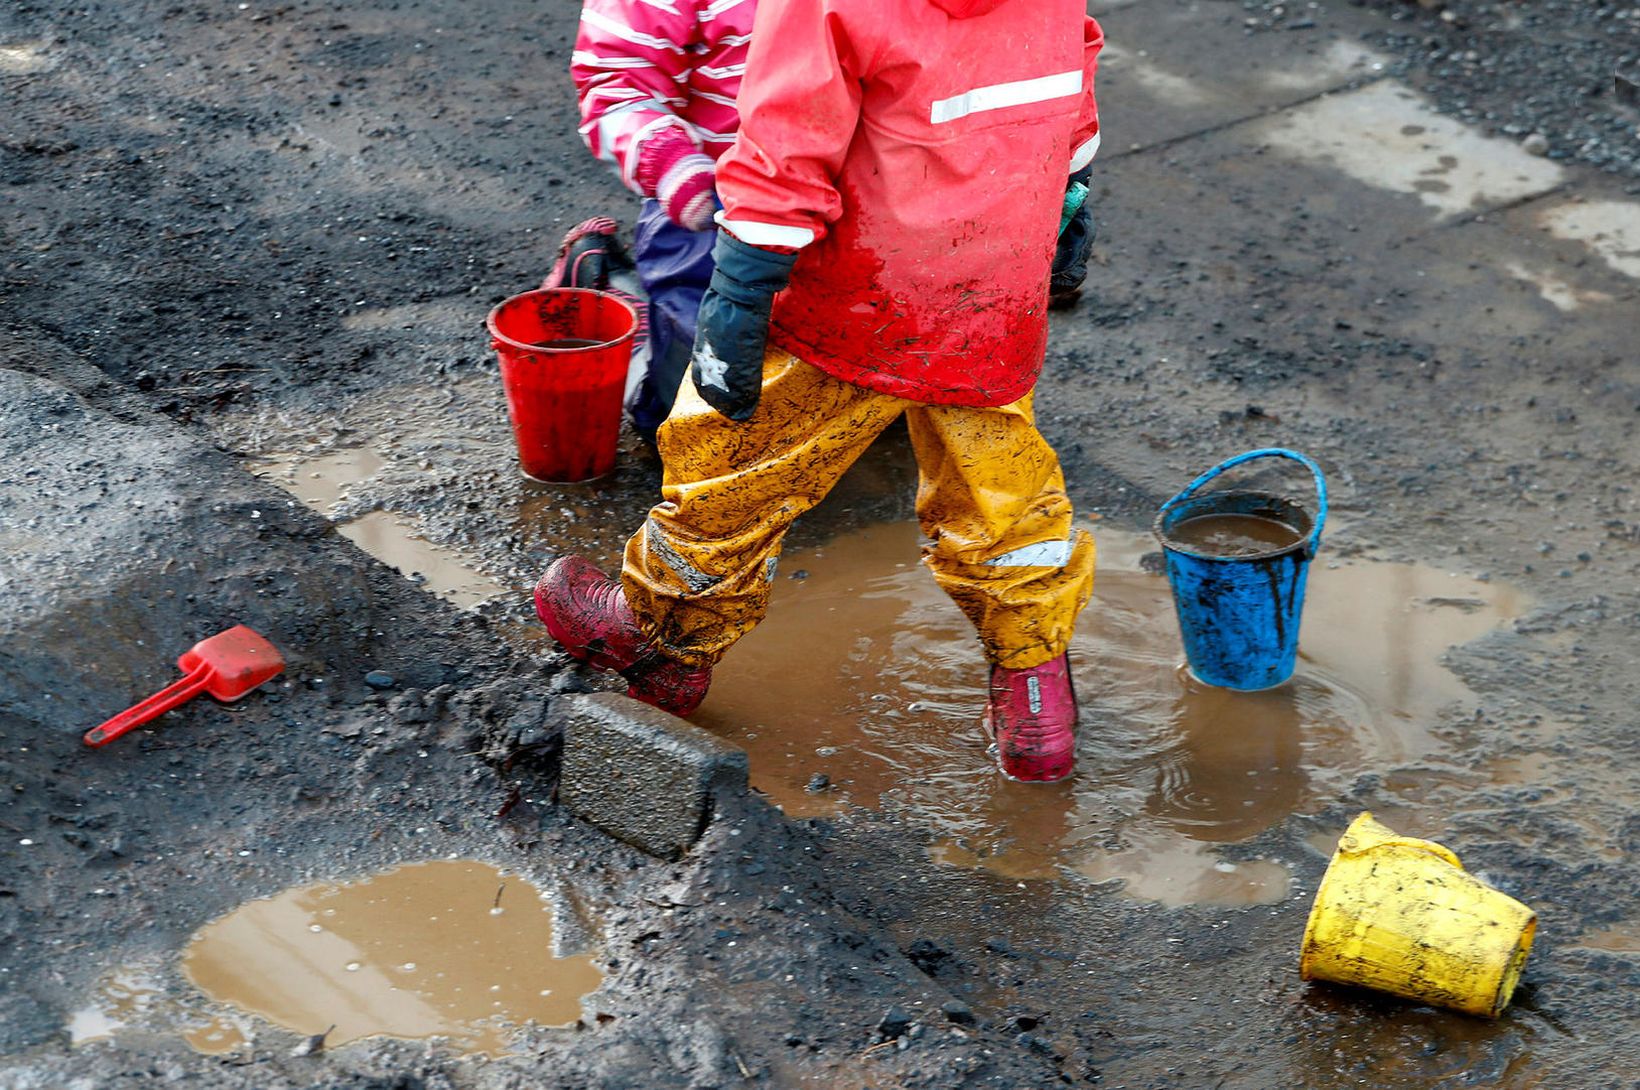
{"type": "Point", "coordinates": [1313, 543]}
{"type": "Point", "coordinates": [1365, 834]}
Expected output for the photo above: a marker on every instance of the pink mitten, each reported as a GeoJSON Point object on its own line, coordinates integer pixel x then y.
{"type": "Point", "coordinates": [679, 176]}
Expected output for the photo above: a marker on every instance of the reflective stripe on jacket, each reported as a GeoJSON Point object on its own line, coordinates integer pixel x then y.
{"type": "Point", "coordinates": [918, 151]}
{"type": "Point", "coordinates": [641, 64]}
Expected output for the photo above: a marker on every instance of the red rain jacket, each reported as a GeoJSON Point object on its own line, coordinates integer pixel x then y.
{"type": "Point", "coordinates": [918, 151]}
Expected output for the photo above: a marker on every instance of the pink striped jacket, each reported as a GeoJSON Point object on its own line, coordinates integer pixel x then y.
{"type": "Point", "coordinates": [640, 65]}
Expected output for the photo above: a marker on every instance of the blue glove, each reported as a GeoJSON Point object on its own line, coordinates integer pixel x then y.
{"type": "Point", "coordinates": [1070, 259]}
{"type": "Point", "coordinates": [733, 329]}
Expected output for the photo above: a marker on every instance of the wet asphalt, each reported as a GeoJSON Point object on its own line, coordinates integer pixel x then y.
{"type": "Point", "coordinates": [243, 234]}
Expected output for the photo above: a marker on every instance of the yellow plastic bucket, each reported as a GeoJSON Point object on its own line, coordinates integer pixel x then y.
{"type": "Point", "coordinates": [1402, 915]}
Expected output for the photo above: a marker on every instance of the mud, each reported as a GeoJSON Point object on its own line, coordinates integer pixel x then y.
{"type": "Point", "coordinates": [451, 949]}
{"type": "Point", "coordinates": [884, 714]}
{"type": "Point", "coordinates": [266, 238]}
{"type": "Point", "coordinates": [1233, 535]}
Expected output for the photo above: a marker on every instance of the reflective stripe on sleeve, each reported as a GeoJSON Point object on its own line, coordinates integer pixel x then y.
{"type": "Point", "coordinates": [999, 96]}
{"type": "Point", "coordinates": [766, 234]}
{"type": "Point", "coordinates": [1084, 154]}
{"type": "Point", "coordinates": [692, 577]}
{"type": "Point", "coordinates": [716, 8]}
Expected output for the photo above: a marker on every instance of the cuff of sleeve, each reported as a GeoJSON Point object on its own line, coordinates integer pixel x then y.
{"type": "Point", "coordinates": [1084, 154]}
{"type": "Point", "coordinates": [656, 150]}
{"type": "Point", "coordinates": [754, 233]}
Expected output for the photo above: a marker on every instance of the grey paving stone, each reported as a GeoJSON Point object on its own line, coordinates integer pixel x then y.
{"type": "Point", "coordinates": [642, 775]}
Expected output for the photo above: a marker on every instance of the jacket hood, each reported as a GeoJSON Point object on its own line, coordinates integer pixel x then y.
{"type": "Point", "coordinates": [963, 9]}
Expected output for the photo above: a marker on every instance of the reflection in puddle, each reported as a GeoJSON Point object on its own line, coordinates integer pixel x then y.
{"type": "Point", "coordinates": [1157, 866]}
{"type": "Point", "coordinates": [1561, 293]}
{"type": "Point", "coordinates": [1168, 86]}
{"type": "Point", "coordinates": [449, 948]}
{"type": "Point", "coordinates": [1341, 1036]}
{"type": "Point", "coordinates": [1622, 939]}
{"type": "Point", "coordinates": [218, 1037]}
{"type": "Point", "coordinates": [1388, 136]}
{"type": "Point", "coordinates": [385, 536]}
{"type": "Point", "coordinates": [120, 1000]}
{"type": "Point", "coordinates": [25, 58]}
{"type": "Point", "coordinates": [884, 712]}
{"type": "Point", "coordinates": [321, 482]}
{"type": "Point", "coordinates": [1341, 59]}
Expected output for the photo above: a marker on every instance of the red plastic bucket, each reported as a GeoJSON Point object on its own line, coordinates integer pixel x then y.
{"type": "Point", "coordinates": [564, 354]}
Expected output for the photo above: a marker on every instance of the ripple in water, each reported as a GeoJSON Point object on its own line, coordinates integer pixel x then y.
{"type": "Point", "coordinates": [865, 674]}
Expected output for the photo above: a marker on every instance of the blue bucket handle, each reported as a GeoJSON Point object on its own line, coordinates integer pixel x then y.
{"type": "Point", "coordinates": [1314, 542]}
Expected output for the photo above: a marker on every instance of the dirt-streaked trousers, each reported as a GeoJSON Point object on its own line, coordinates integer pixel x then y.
{"type": "Point", "coordinates": [990, 498]}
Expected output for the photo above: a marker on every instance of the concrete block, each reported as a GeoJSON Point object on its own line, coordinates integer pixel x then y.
{"type": "Point", "coordinates": [642, 775]}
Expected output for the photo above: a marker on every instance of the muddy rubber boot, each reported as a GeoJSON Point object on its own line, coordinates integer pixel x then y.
{"type": "Point", "coordinates": [586, 257]}
{"type": "Point", "coordinates": [1031, 716]}
{"type": "Point", "coordinates": [586, 612]}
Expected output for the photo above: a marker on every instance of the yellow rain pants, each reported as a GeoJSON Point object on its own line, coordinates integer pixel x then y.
{"type": "Point", "coordinates": [990, 498]}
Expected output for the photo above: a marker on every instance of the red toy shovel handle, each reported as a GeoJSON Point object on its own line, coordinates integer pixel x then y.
{"type": "Point", "coordinates": [178, 692]}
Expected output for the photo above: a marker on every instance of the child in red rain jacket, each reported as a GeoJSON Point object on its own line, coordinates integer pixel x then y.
{"type": "Point", "coordinates": [889, 246]}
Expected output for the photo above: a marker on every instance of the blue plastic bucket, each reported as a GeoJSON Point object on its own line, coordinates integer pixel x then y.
{"type": "Point", "coordinates": [1239, 615]}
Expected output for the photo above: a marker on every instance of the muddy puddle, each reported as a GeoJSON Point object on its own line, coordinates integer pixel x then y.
{"type": "Point", "coordinates": [321, 482]}
{"type": "Point", "coordinates": [863, 688]}
{"type": "Point", "coordinates": [1610, 228]}
{"type": "Point", "coordinates": [133, 999]}
{"type": "Point", "coordinates": [124, 997]}
{"type": "Point", "coordinates": [451, 948]}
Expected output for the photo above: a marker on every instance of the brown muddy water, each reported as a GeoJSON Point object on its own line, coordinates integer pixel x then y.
{"type": "Point", "coordinates": [321, 482]}
{"type": "Point", "coordinates": [1233, 535]}
{"type": "Point", "coordinates": [864, 688]}
{"type": "Point", "coordinates": [450, 948]}
{"type": "Point", "coordinates": [122, 998]}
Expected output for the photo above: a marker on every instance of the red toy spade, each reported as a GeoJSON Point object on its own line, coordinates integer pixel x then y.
{"type": "Point", "coordinates": [227, 665]}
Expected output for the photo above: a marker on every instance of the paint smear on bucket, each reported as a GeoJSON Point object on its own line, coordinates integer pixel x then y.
{"type": "Point", "coordinates": [451, 948]}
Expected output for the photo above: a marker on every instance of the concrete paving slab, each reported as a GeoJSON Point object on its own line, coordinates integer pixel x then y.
{"type": "Point", "coordinates": [1390, 136]}
{"type": "Point", "coordinates": [1164, 72]}
{"type": "Point", "coordinates": [1609, 227]}
{"type": "Point", "coordinates": [642, 775]}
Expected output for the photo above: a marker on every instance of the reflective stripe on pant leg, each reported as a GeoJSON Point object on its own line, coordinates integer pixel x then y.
{"type": "Point", "coordinates": [697, 573]}
{"type": "Point", "coordinates": [992, 502]}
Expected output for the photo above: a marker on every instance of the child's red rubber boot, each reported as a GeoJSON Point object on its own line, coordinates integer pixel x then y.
{"type": "Point", "coordinates": [1031, 716]}
{"type": "Point", "coordinates": [586, 612]}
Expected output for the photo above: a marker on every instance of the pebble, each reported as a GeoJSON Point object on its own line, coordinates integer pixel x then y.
{"type": "Point", "coordinates": [1535, 144]}
{"type": "Point", "coordinates": [958, 1012]}
{"type": "Point", "coordinates": [894, 1023]}
{"type": "Point", "coordinates": [380, 679]}
{"type": "Point", "coordinates": [818, 782]}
